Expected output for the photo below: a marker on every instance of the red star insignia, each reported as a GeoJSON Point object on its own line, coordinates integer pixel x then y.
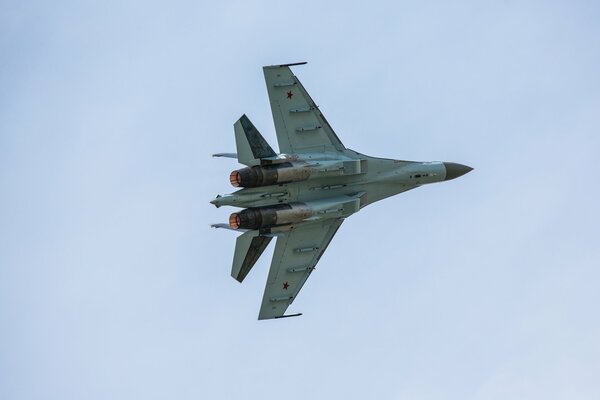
{"type": "Point", "coordinates": [286, 285]}
{"type": "Point", "coordinates": [289, 95]}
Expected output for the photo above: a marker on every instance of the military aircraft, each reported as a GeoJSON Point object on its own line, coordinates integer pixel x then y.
{"type": "Point", "coordinates": [302, 195]}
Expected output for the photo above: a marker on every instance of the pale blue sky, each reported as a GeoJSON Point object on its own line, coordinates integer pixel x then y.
{"type": "Point", "coordinates": [112, 285]}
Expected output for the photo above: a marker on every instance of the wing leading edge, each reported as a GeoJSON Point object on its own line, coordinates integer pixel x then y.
{"type": "Point", "coordinates": [296, 254]}
{"type": "Point", "coordinates": [299, 125]}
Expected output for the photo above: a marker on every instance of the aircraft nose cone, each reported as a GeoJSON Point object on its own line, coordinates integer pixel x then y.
{"type": "Point", "coordinates": [454, 170]}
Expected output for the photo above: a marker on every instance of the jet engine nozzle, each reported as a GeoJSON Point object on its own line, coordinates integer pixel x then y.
{"type": "Point", "coordinates": [235, 178]}
{"type": "Point", "coordinates": [234, 221]}
{"type": "Point", "coordinates": [268, 175]}
{"type": "Point", "coordinates": [270, 216]}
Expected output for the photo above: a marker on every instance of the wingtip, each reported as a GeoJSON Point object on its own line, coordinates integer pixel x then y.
{"type": "Point", "coordinates": [289, 315]}
{"type": "Point", "coordinates": [285, 65]}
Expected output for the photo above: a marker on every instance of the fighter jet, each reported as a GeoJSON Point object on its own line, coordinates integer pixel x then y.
{"type": "Point", "coordinates": [302, 194]}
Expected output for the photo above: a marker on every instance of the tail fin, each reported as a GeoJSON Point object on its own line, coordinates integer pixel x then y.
{"type": "Point", "coordinates": [251, 146]}
{"type": "Point", "coordinates": [248, 249]}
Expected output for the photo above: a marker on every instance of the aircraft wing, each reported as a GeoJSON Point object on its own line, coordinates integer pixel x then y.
{"type": "Point", "coordinates": [296, 254]}
{"type": "Point", "coordinates": [299, 125]}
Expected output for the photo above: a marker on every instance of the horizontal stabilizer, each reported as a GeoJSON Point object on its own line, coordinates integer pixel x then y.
{"type": "Point", "coordinates": [248, 249]}
{"type": "Point", "coordinates": [251, 146]}
{"type": "Point", "coordinates": [226, 155]}
{"type": "Point", "coordinates": [226, 226]}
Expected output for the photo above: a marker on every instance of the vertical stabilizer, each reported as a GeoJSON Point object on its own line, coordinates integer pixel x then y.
{"type": "Point", "coordinates": [248, 249]}
{"type": "Point", "coordinates": [251, 146]}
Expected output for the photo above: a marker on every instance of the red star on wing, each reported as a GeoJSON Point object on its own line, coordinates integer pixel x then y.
{"type": "Point", "coordinates": [289, 95]}
{"type": "Point", "coordinates": [286, 285]}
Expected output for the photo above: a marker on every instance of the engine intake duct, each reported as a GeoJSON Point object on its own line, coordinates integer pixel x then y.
{"type": "Point", "coordinates": [267, 217]}
{"type": "Point", "coordinates": [268, 175]}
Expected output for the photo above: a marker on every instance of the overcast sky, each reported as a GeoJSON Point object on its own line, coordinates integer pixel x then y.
{"type": "Point", "coordinates": [113, 286]}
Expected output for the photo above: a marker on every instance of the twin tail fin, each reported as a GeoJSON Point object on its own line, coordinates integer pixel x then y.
{"type": "Point", "coordinates": [251, 146]}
